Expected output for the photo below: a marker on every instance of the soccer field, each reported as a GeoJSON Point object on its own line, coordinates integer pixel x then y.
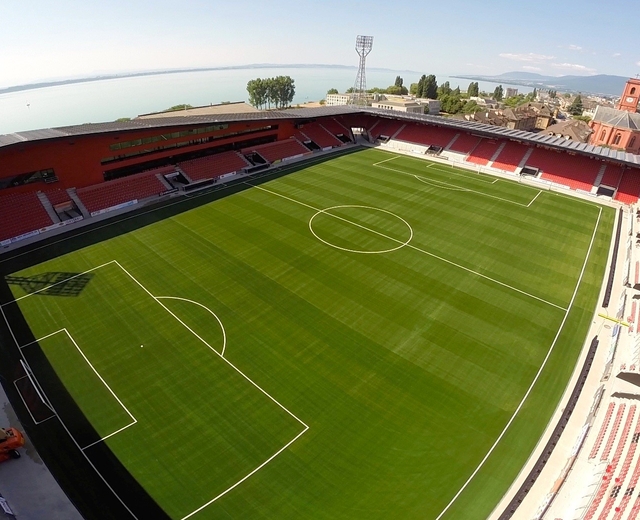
{"type": "Point", "coordinates": [372, 336]}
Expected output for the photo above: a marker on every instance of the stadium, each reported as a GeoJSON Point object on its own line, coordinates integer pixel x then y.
{"type": "Point", "coordinates": [342, 312]}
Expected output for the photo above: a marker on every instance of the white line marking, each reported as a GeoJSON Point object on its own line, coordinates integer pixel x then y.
{"type": "Point", "coordinates": [535, 379]}
{"type": "Point", "coordinates": [65, 426]}
{"type": "Point", "coordinates": [466, 175]}
{"type": "Point", "coordinates": [248, 475]}
{"type": "Point", "coordinates": [57, 283]}
{"type": "Point", "coordinates": [484, 276]}
{"type": "Point", "coordinates": [157, 299]}
{"type": "Point", "coordinates": [390, 159]}
{"type": "Point", "coordinates": [210, 347]}
{"type": "Point", "coordinates": [224, 334]}
{"type": "Point", "coordinates": [326, 212]}
{"type": "Point", "coordinates": [460, 188]}
{"type": "Point", "coordinates": [133, 419]}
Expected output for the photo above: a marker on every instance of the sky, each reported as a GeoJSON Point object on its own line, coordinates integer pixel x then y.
{"type": "Point", "coordinates": [42, 39]}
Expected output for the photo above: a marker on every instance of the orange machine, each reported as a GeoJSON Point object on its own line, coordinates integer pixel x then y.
{"type": "Point", "coordinates": [10, 440]}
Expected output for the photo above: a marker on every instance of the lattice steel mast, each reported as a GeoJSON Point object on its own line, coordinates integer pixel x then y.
{"type": "Point", "coordinates": [364, 45]}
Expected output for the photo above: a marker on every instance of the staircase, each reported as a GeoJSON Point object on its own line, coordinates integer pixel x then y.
{"type": "Point", "coordinates": [496, 154]}
{"type": "Point", "coordinates": [74, 197]}
{"type": "Point", "coordinates": [46, 204]}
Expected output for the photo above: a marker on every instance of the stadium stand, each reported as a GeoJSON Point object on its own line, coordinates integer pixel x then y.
{"type": "Point", "coordinates": [320, 135]}
{"type": "Point", "coordinates": [119, 191]}
{"type": "Point", "coordinates": [510, 156]}
{"type": "Point", "coordinates": [385, 127]}
{"type": "Point", "coordinates": [465, 143]}
{"type": "Point", "coordinates": [613, 433]}
{"type": "Point", "coordinates": [612, 176]}
{"type": "Point", "coordinates": [335, 128]}
{"type": "Point", "coordinates": [21, 213]}
{"type": "Point", "coordinates": [629, 188]}
{"type": "Point", "coordinates": [357, 121]}
{"type": "Point", "coordinates": [483, 153]}
{"type": "Point", "coordinates": [602, 432]}
{"type": "Point", "coordinates": [213, 166]}
{"type": "Point", "coordinates": [579, 173]}
{"type": "Point", "coordinates": [57, 197]}
{"type": "Point", "coordinates": [426, 135]}
{"type": "Point", "coordinates": [278, 150]}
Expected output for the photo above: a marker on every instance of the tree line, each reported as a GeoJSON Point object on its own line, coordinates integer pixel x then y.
{"type": "Point", "coordinates": [279, 91]}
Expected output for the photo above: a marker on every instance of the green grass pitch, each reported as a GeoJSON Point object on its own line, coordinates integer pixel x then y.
{"type": "Point", "coordinates": [352, 340]}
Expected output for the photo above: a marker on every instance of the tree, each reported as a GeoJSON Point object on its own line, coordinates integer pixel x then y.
{"type": "Point", "coordinates": [430, 90]}
{"type": "Point", "coordinates": [553, 94]}
{"type": "Point", "coordinates": [471, 107]}
{"type": "Point", "coordinates": [257, 89]}
{"type": "Point", "coordinates": [498, 93]}
{"type": "Point", "coordinates": [413, 89]}
{"type": "Point", "coordinates": [332, 91]}
{"type": "Point", "coordinates": [398, 82]}
{"type": "Point", "coordinates": [175, 108]}
{"type": "Point", "coordinates": [456, 91]}
{"type": "Point", "coordinates": [443, 90]}
{"type": "Point", "coordinates": [420, 91]}
{"type": "Point", "coordinates": [473, 89]}
{"type": "Point", "coordinates": [575, 109]}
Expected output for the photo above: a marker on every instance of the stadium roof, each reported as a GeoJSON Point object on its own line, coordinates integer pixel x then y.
{"type": "Point", "coordinates": [482, 130]}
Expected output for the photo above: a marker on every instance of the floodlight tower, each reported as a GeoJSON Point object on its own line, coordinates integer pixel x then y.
{"type": "Point", "coordinates": [364, 44]}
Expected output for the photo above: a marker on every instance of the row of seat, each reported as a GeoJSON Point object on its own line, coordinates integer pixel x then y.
{"type": "Point", "coordinates": [320, 135]}
{"type": "Point", "coordinates": [119, 191]}
{"type": "Point", "coordinates": [571, 170]}
{"type": "Point", "coordinates": [21, 213]}
{"type": "Point", "coordinates": [278, 150]}
{"type": "Point", "coordinates": [213, 166]}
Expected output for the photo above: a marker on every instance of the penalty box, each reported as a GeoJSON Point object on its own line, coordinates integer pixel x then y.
{"type": "Point", "coordinates": [141, 376]}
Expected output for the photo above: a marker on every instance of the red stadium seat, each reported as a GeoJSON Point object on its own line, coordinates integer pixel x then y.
{"type": "Point", "coordinates": [510, 156]}
{"type": "Point", "coordinates": [278, 150]}
{"type": "Point", "coordinates": [426, 135]}
{"type": "Point", "coordinates": [21, 213]}
{"type": "Point", "coordinates": [213, 166]}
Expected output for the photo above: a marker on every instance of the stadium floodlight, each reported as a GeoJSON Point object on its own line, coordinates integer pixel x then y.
{"type": "Point", "coordinates": [364, 44]}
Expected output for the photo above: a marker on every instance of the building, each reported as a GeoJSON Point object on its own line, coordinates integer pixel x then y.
{"type": "Point", "coordinates": [431, 106]}
{"type": "Point", "coordinates": [528, 117]}
{"type": "Point", "coordinates": [572, 130]}
{"type": "Point", "coordinates": [511, 92]}
{"type": "Point", "coordinates": [338, 99]}
{"type": "Point", "coordinates": [619, 128]}
{"type": "Point", "coordinates": [399, 104]}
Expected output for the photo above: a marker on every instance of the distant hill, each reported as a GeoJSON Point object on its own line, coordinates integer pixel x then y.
{"type": "Point", "coordinates": [603, 84]}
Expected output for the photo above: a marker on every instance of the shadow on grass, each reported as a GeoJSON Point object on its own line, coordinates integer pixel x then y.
{"type": "Point", "coordinates": [52, 283]}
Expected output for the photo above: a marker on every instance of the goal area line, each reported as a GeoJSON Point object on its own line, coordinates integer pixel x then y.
{"type": "Point", "coordinates": [82, 449]}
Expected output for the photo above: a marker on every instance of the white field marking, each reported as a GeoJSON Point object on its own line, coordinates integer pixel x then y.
{"type": "Point", "coordinates": [535, 379]}
{"type": "Point", "coordinates": [224, 334]}
{"type": "Point", "coordinates": [438, 184]}
{"type": "Point", "coordinates": [53, 414]}
{"type": "Point", "coordinates": [106, 483]}
{"type": "Point", "coordinates": [248, 475]}
{"type": "Point", "coordinates": [180, 200]}
{"type": "Point", "coordinates": [465, 189]}
{"type": "Point", "coordinates": [305, 426]}
{"type": "Point", "coordinates": [455, 187]}
{"type": "Point", "coordinates": [57, 283]}
{"type": "Point", "coordinates": [433, 255]}
{"type": "Point", "coordinates": [133, 419]}
{"type": "Point", "coordinates": [325, 211]}
{"type": "Point", "coordinates": [390, 159]}
{"type": "Point", "coordinates": [466, 175]}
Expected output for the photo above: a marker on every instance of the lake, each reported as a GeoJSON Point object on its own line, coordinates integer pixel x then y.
{"type": "Point", "coordinates": [107, 100]}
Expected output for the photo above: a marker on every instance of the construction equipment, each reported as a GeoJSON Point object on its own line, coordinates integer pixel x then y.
{"type": "Point", "coordinates": [10, 440]}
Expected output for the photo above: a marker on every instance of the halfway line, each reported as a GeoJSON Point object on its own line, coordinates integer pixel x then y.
{"type": "Point", "coordinates": [415, 248]}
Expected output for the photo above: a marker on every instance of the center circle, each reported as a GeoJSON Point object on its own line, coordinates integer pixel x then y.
{"type": "Point", "coordinates": [358, 224]}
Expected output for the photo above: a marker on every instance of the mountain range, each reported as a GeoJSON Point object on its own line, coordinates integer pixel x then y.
{"type": "Point", "coordinates": [602, 84]}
